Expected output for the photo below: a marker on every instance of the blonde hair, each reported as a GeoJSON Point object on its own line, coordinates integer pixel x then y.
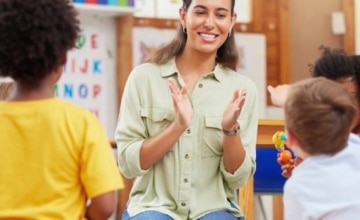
{"type": "Point", "coordinates": [319, 113]}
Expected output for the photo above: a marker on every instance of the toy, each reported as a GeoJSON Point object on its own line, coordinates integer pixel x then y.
{"type": "Point", "coordinates": [285, 157]}
{"type": "Point", "coordinates": [279, 139]}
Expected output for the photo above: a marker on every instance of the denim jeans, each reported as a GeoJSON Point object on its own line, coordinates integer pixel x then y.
{"type": "Point", "coordinates": [154, 215]}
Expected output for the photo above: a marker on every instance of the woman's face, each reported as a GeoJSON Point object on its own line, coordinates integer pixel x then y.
{"type": "Point", "coordinates": [207, 23]}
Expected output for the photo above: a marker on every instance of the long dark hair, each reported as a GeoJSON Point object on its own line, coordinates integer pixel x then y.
{"type": "Point", "coordinates": [227, 54]}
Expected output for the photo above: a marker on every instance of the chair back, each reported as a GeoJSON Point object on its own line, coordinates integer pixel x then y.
{"type": "Point", "coordinates": [246, 199]}
{"type": "Point", "coordinates": [267, 177]}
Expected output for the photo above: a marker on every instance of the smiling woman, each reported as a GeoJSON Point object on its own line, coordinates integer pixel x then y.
{"type": "Point", "coordinates": [188, 90]}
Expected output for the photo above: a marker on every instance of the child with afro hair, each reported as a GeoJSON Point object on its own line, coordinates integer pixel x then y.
{"type": "Point", "coordinates": [54, 156]}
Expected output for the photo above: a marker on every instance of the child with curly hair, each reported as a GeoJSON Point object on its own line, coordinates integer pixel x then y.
{"type": "Point", "coordinates": [54, 156]}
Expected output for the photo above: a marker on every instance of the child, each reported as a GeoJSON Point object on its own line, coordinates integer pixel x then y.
{"type": "Point", "coordinates": [54, 156]}
{"type": "Point", "coordinates": [319, 114]}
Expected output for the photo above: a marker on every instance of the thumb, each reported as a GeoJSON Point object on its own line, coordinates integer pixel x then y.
{"type": "Point", "coordinates": [270, 89]}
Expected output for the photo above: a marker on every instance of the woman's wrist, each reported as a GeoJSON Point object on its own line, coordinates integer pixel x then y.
{"type": "Point", "coordinates": [234, 130]}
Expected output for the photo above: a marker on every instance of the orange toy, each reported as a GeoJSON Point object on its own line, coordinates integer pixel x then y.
{"type": "Point", "coordinates": [285, 156]}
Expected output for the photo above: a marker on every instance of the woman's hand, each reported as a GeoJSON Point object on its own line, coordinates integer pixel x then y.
{"type": "Point", "coordinates": [278, 94]}
{"type": "Point", "coordinates": [232, 111]}
{"type": "Point", "coordinates": [182, 103]}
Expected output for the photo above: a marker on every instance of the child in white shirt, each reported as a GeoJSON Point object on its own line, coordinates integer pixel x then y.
{"type": "Point", "coordinates": [319, 115]}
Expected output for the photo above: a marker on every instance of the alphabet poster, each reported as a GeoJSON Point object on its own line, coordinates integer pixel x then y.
{"type": "Point", "coordinates": [89, 76]}
{"type": "Point", "coordinates": [83, 79]}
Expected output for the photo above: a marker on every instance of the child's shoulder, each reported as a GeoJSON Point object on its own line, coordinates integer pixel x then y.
{"type": "Point", "coordinates": [72, 109]}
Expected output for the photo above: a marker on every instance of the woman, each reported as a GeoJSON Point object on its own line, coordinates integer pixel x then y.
{"type": "Point", "coordinates": [188, 122]}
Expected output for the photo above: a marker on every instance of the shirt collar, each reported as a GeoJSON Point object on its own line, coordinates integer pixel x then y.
{"type": "Point", "coordinates": [169, 68]}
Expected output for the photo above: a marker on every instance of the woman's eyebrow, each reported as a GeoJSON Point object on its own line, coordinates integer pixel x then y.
{"type": "Point", "coordinates": [203, 7]}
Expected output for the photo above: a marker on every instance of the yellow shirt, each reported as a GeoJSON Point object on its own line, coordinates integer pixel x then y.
{"type": "Point", "coordinates": [53, 156]}
{"type": "Point", "coordinates": [190, 180]}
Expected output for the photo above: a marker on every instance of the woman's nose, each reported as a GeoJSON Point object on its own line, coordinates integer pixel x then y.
{"type": "Point", "coordinates": [209, 22]}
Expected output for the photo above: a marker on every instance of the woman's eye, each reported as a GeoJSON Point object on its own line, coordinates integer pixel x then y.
{"type": "Point", "coordinates": [199, 12]}
{"type": "Point", "coordinates": [221, 15]}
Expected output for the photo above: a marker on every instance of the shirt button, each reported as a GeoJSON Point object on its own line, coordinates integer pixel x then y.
{"type": "Point", "coordinates": [185, 180]}
{"type": "Point", "coordinates": [188, 131]}
{"type": "Point", "coordinates": [186, 156]}
{"type": "Point", "coordinates": [200, 85]}
{"type": "Point", "coordinates": [183, 204]}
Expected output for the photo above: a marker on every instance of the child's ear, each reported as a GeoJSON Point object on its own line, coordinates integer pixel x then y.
{"type": "Point", "coordinates": [63, 60]}
{"type": "Point", "coordinates": [291, 140]}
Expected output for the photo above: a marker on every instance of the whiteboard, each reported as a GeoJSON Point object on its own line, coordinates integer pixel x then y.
{"type": "Point", "coordinates": [252, 49]}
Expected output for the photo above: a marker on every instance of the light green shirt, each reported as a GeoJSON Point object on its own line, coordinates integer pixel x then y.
{"type": "Point", "coordinates": [190, 181]}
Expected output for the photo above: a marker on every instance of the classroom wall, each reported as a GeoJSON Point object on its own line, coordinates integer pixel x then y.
{"type": "Point", "coordinates": [310, 26]}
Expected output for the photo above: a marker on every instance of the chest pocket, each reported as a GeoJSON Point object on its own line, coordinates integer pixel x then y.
{"type": "Point", "coordinates": [156, 119]}
{"type": "Point", "coordinates": [212, 138]}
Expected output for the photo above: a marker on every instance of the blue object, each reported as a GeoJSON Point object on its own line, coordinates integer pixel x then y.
{"type": "Point", "coordinates": [102, 2]}
{"type": "Point", "coordinates": [267, 177]}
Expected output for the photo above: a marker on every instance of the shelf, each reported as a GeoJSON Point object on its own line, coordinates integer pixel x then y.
{"type": "Point", "coordinates": [103, 10]}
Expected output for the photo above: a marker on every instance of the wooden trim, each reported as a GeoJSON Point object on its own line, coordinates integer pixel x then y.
{"type": "Point", "coordinates": [258, 16]}
{"type": "Point", "coordinates": [278, 207]}
{"type": "Point", "coordinates": [349, 36]}
{"type": "Point", "coordinates": [246, 197]}
{"type": "Point", "coordinates": [155, 22]}
{"type": "Point", "coordinates": [124, 62]}
{"type": "Point", "coordinates": [266, 129]}
{"type": "Point", "coordinates": [284, 35]}
{"type": "Point", "coordinates": [124, 66]}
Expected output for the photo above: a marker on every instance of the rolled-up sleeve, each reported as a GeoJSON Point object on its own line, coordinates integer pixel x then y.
{"type": "Point", "coordinates": [131, 130]}
{"type": "Point", "coordinates": [248, 133]}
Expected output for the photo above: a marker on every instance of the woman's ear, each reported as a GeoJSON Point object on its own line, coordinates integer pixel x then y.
{"type": "Point", "coordinates": [182, 15]}
{"type": "Point", "coordinates": [233, 20]}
